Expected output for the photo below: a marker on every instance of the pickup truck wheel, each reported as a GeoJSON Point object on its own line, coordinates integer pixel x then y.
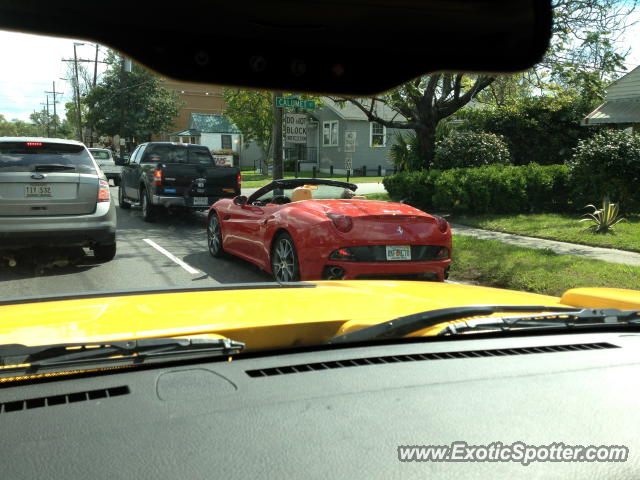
{"type": "Point", "coordinates": [284, 259]}
{"type": "Point", "coordinates": [104, 253]}
{"type": "Point", "coordinates": [121, 201]}
{"type": "Point", "coordinates": [214, 236]}
{"type": "Point", "coordinates": [148, 210]}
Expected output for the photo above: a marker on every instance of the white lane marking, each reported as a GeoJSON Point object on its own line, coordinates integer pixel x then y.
{"type": "Point", "coordinates": [184, 265]}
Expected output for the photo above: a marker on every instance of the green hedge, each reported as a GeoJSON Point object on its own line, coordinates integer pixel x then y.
{"type": "Point", "coordinates": [470, 149]}
{"type": "Point", "coordinates": [490, 189]}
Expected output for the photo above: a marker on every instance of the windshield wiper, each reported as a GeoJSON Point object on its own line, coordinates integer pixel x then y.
{"type": "Point", "coordinates": [578, 318]}
{"type": "Point", "coordinates": [401, 326]}
{"type": "Point", "coordinates": [50, 167]}
{"type": "Point", "coordinates": [31, 359]}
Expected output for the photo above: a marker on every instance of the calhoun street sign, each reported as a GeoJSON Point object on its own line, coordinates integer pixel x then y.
{"type": "Point", "coordinates": [294, 102]}
{"type": "Point", "coordinates": [295, 128]}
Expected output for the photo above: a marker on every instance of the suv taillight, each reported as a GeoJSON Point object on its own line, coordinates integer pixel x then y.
{"type": "Point", "coordinates": [103, 192]}
{"type": "Point", "coordinates": [239, 180]}
{"type": "Point", "coordinates": [157, 177]}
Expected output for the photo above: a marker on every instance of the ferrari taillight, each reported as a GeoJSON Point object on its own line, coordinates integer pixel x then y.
{"type": "Point", "coordinates": [443, 225]}
{"type": "Point", "coordinates": [342, 222]}
{"type": "Point", "coordinates": [103, 192]}
{"type": "Point", "coordinates": [157, 177]}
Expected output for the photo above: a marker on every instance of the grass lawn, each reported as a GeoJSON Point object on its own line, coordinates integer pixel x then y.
{"type": "Point", "coordinates": [495, 264]}
{"type": "Point", "coordinates": [255, 180]}
{"type": "Point", "coordinates": [565, 228]}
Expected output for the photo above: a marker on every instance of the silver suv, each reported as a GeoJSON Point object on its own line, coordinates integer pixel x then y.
{"type": "Point", "coordinates": [53, 194]}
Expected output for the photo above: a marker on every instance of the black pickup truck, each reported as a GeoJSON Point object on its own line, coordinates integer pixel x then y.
{"type": "Point", "coordinates": [174, 175]}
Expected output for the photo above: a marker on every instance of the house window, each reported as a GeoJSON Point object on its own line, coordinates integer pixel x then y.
{"type": "Point", "coordinates": [378, 135]}
{"type": "Point", "coordinates": [330, 134]}
{"type": "Point", "coordinates": [226, 142]}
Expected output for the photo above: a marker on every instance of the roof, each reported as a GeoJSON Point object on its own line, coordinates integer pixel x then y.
{"type": "Point", "coordinates": [349, 111]}
{"type": "Point", "coordinates": [613, 112]}
{"type": "Point", "coordinates": [186, 133]}
{"type": "Point", "coordinates": [210, 123]}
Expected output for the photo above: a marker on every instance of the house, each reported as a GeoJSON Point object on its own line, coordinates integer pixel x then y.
{"type": "Point", "coordinates": [621, 107]}
{"type": "Point", "coordinates": [214, 131]}
{"type": "Point", "coordinates": [194, 98]}
{"type": "Point", "coordinates": [340, 135]}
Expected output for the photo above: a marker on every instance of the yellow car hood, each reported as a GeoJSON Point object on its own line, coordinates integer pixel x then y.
{"type": "Point", "coordinates": [262, 316]}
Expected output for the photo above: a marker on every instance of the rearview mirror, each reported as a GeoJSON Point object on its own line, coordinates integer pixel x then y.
{"type": "Point", "coordinates": [240, 200]}
{"type": "Point", "coordinates": [328, 50]}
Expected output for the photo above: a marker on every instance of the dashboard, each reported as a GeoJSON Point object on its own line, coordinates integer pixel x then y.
{"type": "Point", "coordinates": [333, 413]}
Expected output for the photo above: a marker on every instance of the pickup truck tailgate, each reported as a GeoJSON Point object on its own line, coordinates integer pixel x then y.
{"type": "Point", "coordinates": [200, 181]}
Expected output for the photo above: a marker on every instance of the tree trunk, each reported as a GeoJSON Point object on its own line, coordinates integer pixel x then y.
{"type": "Point", "coordinates": [426, 139]}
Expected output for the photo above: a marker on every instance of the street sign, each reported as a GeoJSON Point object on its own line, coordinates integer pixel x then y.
{"type": "Point", "coordinates": [350, 142]}
{"type": "Point", "coordinates": [293, 102]}
{"type": "Point", "coordinates": [295, 128]}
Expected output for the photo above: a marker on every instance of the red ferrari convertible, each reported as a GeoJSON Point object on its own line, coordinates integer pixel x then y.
{"type": "Point", "coordinates": [311, 229]}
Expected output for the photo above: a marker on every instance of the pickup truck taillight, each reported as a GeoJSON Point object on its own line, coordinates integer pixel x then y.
{"type": "Point", "coordinates": [157, 177]}
{"type": "Point", "coordinates": [239, 180]}
{"type": "Point", "coordinates": [103, 192]}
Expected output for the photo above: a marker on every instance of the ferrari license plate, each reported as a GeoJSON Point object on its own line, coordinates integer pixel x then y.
{"type": "Point", "coordinates": [398, 252]}
{"type": "Point", "coordinates": [38, 190]}
{"type": "Point", "coordinates": [201, 201]}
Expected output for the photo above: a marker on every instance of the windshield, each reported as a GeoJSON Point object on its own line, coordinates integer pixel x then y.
{"type": "Point", "coordinates": [453, 189]}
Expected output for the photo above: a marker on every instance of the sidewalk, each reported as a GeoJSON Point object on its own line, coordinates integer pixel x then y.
{"type": "Point", "coordinates": [598, 253]}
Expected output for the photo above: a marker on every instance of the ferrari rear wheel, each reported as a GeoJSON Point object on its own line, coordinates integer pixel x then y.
{"type": "Point", "coordinates": [214, 236]}
{"type": "Point", "coordinates": [284, 259]}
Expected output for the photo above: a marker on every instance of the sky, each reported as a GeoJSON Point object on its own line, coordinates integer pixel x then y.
{"type": "Point", "coordinates": [29, 64]}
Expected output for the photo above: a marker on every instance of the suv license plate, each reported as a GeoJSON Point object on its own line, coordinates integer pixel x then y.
{"type": "Point", "coordinates": [37, 190]}
{"type": "Point", "coordinates": [201, 201]}
{"type": "Point", "coordinates": [398, 252]}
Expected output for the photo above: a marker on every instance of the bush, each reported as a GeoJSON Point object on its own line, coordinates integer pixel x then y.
{"type": "Point", "coordinates": [542, 130]}
{"type": "Point", "coordinates": [470, 149]}
{"type": "Point", "coordinates": [490, 189]}
{"type": "Point", "coordinates": [607, 164]}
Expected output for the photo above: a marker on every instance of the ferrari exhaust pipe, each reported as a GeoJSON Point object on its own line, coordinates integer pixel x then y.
{"type": "Point", "coordinates": [333, 272]}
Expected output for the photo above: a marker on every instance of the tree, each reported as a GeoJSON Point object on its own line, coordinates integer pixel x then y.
{"type": "Point", "coordinates": [584, 54]}
{"type": "Point", "coordinates": [7, 129]}
{"type": "Point", "coordinates": [130, 104]}
{"type": "Point", "coordinates": [424, 103]}
{"type": "Point", "coordinates": [251, 111]}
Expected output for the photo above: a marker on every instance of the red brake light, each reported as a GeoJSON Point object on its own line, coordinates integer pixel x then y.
{"type": "Point", "coordinates": [342, 222]}
{"type": "Point", "coordinates": [103, 192]}
{"type": "Point", "coordinates": [443, 225]}
{"type": "Point", "coordinates": [34, 144]}
{"type": "Point", "coordinates": [344, 254]}
{"type": "Point", "coordinates": [157, 177]}
{"type": "Point", "coordinates": [239, 179]}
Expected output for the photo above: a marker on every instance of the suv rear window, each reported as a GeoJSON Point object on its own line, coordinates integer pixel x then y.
{"type": "Point", "coordinates": [100, 154]}
{"type": "Point", "coordinates": [26, 156]}
{"type": "Point", "coordinates": [179, 154]}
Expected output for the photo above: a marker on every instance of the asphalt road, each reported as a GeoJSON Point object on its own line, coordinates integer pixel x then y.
{"type": "Point", "coordinates": [183, 261]}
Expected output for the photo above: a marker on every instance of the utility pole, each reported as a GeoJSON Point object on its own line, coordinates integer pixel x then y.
{"type": "Point", "coordinates": [47, 117]}
{"type": "Point", "coordinates": [95, 80]}
{"type": "Point", "coordinates": [77, 85]}
{"type": "Point", "coordinates": [55, 114]}
{"type": "Point", "coordinates": [277, 139]}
